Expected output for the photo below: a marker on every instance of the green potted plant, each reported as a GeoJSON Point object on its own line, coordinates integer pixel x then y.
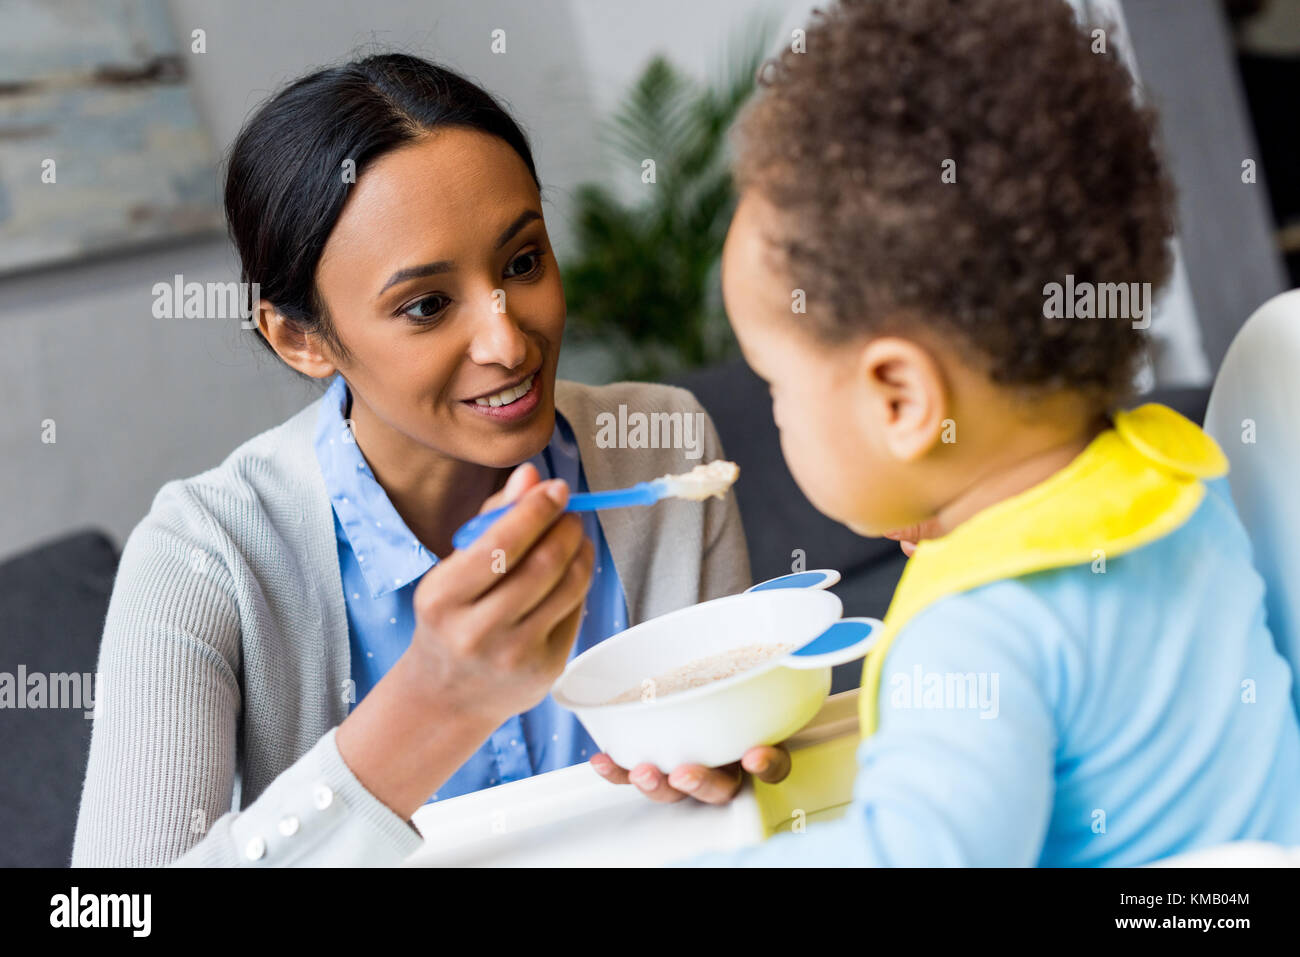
{"type": "Point", "coordinates": [642, 279]}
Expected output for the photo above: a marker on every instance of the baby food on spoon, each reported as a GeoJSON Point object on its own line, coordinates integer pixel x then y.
{"type": "Point", "coordinates": [703, 481]}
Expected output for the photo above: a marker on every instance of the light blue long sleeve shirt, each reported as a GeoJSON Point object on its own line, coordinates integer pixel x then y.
{"type": "Point", "coordinates": [1117, 718]}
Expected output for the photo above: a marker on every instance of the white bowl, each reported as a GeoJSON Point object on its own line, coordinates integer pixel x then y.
{"type": "Point", "coordinates": [716, 723]}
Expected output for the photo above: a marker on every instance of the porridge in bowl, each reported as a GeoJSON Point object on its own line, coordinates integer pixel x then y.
{"type": "Point", "coordinates": [697, 716]}
{"type": "Point", "coordinates": [703, 671]}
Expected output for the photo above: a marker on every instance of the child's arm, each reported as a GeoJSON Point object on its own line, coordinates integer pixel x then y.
{"type": "Point", "coordinates": [939, 783]}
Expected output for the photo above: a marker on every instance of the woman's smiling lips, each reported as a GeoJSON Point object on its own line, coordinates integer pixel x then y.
{"type": "Point", "coordinates": [508, 407]}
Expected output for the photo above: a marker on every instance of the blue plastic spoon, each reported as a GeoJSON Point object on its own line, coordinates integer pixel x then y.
{"type": "Point", "coordinates": [687, 485]}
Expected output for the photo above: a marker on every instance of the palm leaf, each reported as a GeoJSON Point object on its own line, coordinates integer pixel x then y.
{"type": "Point", "coordinates": [643, 275]}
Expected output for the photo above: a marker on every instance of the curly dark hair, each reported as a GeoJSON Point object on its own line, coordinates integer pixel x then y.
{"type": "Point", "coordinates": [1057, 173]}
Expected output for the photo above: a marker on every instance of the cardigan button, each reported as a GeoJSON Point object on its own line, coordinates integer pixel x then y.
{"type": "Point", "coordinates": [256, 849]}
{"type": "Point", "coordinates": [289, 826]}
{"type": "Point", "coordinates": [323, 797]}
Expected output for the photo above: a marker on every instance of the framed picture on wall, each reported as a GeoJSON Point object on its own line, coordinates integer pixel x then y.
{"type": "Point", "coordinates": [101, 148]}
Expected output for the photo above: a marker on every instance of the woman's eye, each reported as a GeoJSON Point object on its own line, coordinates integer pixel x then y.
{"type": "Point", "coordinates": [524, 265]}
{"type": "Point", "coordinates": [427, 308]}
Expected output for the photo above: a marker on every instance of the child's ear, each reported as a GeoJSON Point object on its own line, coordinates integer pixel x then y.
{"type": "Point", "coordinates": [906, 395]}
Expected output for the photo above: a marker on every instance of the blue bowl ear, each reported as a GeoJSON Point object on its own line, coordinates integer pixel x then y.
{"type": "Point", "coordinates": [844, 641]}
{"type": "Point", "coordinates": [842, 634]}
{"type": "Point", "coordinates": [817, 578]}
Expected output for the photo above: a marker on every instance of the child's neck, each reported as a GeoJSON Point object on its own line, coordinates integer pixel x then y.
{"type": "Point", "coordinates": [1009, 476]}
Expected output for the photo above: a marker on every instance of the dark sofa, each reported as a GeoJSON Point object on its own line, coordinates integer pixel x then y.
{"type": "Point", "coordinates": [53, 600]}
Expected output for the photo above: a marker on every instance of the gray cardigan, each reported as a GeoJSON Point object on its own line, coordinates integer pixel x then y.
{"type": "Point", "coordinates": [225, 650]}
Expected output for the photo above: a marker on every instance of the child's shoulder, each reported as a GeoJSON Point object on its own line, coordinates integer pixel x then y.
{"type": "Point", "coordinates": [1212, 542]}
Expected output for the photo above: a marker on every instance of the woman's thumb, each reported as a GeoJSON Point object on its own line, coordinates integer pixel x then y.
{"type": "Point", "coordinates": [521, 480]}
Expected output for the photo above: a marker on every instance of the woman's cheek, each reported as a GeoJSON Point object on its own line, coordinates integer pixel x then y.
{"type": "Point", "coordinates": [555, 306]}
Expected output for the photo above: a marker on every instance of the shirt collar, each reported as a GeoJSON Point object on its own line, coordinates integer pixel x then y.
{"type": "Point", "coordinates": [386, 550]}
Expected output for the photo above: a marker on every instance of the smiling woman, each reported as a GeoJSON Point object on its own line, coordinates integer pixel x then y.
{"type": "Point", "coordinates": [296, 619]}
{"type": "Point", "coordinates": [473, 309]}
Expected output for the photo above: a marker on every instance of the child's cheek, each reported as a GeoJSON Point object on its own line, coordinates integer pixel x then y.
{"type": "Point", "coordinates": [807, 443]}
{"type": "Point", "coordinates": [778, 414]}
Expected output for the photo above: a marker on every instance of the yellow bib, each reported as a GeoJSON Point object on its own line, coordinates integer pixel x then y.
{"type": "Point", "coordinates": [1135, 483]}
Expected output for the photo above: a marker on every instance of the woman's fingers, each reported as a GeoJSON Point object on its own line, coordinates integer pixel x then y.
{"type": "Point", "coordinates": [604, 766]}
{"type": "Point", "coordinates": [495, 622]}
{"type": "Point", "coordinates": [520, 481]}
{"type": "Point", "coordinates": [563, 634]}
{"type": "Point", "coordinates": [564, 599]}
{"type": "Point", "coordinates": [484, 564]}
{"type": "Point", "coordinates": [710, 785]}
{"type": "Point", "coordinates": [654, 785]}
{"type": "Point", "coordinates": [539, 573]}
{"type": "Point", "coordinates": [770, 764]}
{"type": "Point", "coordinates": [522, 588]}
{"type": "Point", "coordinates": [553, 588]}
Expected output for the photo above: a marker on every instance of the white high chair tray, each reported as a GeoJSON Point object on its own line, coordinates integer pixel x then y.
{"type": "Point", "coordinates": [575, 818]}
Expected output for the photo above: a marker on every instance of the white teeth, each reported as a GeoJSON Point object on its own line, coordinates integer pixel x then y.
{"type": "Point", "coordinates": [506, 396]}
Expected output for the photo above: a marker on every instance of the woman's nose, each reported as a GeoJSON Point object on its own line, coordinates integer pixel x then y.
{"type": "Point", "coordinates": [498, 340]}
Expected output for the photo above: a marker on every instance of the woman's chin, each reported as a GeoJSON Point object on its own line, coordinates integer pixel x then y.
{"type": "Point", "coordinates": [510, 447]}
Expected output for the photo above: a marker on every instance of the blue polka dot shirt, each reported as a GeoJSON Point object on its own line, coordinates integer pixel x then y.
{"type": "Point", "coordinates": [381, 561]}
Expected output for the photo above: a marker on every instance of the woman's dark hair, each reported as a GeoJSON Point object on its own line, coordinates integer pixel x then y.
{"type": "Point", "coordinates": [1055, 173]}
{"type": "Point", "coordinates": [285, 183]}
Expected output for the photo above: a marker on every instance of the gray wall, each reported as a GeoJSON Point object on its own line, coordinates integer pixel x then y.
{"type": "Point", "coordinates": [137, 401]}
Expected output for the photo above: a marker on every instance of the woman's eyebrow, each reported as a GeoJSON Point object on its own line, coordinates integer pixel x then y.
{"type": "Point", "coordinates": [524, 218]}
{"type": "Point", "coordinates": [446, 265]}
{"type": "Point", "coordinates": [415, 272]}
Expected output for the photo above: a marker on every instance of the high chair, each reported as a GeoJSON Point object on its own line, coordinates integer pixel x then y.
{"type": "Point", "coordinates": [1254, 415]}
